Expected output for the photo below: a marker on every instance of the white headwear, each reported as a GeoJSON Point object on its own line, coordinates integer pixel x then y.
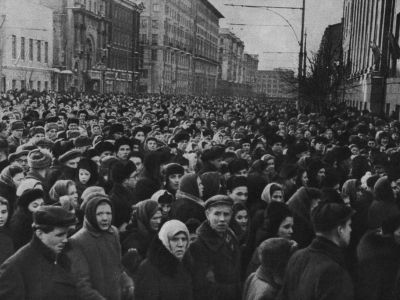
{"type": "Point", "coordinates": [169, 230]}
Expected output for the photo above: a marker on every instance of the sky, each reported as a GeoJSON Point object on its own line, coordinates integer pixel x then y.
{"type": "Point", "coordinates": [260, 38]}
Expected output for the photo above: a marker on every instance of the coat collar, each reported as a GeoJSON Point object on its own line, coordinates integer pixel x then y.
{"type": "Point", "coordinates": [211, 238]}
{"type": "Point", "coordinates": [323, 245]}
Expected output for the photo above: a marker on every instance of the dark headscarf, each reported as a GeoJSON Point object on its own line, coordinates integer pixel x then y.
{"type": "Point", "coordinates": [145, 210]}
{"type": "Point", "coordinates": [188, 185]}
{"type": "Point", "coordinates": [90, 211]}
{"type": "Point", "coordinates": [211, 182]}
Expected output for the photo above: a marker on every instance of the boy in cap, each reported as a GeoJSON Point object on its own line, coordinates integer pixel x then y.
{"type": "Point", "coordinates": [41, 270]}
{"type": "Point", "coordinates": [216, 254]}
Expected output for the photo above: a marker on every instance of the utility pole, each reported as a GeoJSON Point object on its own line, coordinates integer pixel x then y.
{"type": "Point", "coordinates": [305, 56]}
{"type": "Point", "coordinates": [2, 20]}
{"type": "Point", "coordinates": [301, 53]}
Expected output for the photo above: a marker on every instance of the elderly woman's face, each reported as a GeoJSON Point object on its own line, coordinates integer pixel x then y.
{"type": "Point", "coordinates": [178, 244]}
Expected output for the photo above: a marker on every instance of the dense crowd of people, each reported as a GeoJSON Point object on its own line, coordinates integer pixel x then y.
{"type": "Point", "coordinates": [180, 197]}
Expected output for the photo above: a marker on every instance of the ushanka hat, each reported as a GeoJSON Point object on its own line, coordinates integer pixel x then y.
{"type": "Point", "coordinates": [39, 159]}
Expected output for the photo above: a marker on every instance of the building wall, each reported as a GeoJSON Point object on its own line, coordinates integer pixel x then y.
{"type": "Point", "coordinates": [179, 43]}
{"type": "Point", "coordinates": [206, 50]}
{"type": "Point", "coordinates": [367, 25]}
{"type": "Point", "coordinates": [25, 23]}
{"type": "Point", "coordinates": [277, 83]}
{"type": "Point", "coordinates": [232, 62]}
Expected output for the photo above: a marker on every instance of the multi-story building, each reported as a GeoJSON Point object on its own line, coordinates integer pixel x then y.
{"type": "Point", "coordinates": [179, 40]}
{"type": "Point", "coordinates": [166, 34]}
{"type": "Point", "coordinates": [370, 40]}
{"type": "Point", "coordinates": [231, 73]}
{"type": "Point", "coordinates": [277, 83]}
{"type": "Point", "coordinates": [250, 67]}
{"type": "Point", "coordinates": [95, 44]}
{"type": "Point", "coordinates": [81, 30]}
{"type": "Point", "coordinates": [205, 62]}
{"type": "Point", "coordinates": [123, 51]}
{"type": "Point", "coordinates": [26, 42]}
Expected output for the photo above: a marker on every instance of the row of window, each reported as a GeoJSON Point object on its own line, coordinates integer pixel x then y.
{"type": "Point", "coordinates": [31, 85]}
{"type": "Point", "coordinates": [22, 48]}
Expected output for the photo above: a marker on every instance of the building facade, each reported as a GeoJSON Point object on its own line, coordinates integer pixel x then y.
{"type": "Point", "coordinates": [205, 61]}
{"type": "Point", "coordinates": [178, 41]}
{"type": "Point", "coordinates": [26, 42]}
{"type": "Point", "coordinates": [231, 64]}
{"type": "Point", "coordinates": [250, 68]}
{"type": "Point", "coordinates": [122, 50]}
{"type": "Point", "coordinates": [95, 45]}
{"type": "Point", "coordinates": [277, 83]}
{"type": "Point", "coordinates": [370, 36]}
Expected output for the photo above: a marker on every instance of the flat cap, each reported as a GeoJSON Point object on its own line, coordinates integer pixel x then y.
{"type": "Point", "coordinates": [71, 154]}
{"type": "Point", "coordinates": [53, 216]}
{"type": "Point", "coordinates": [218, 200]}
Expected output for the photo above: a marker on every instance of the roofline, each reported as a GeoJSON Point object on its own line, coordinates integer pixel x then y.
{"type": "Point", "coordinates": [213, 9]}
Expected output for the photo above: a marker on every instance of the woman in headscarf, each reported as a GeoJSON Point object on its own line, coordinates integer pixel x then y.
{"type": "Point", "coordinates": [150, 179]}
{"type": "Point", "coordinates": [240, 222]}
{"type": "Point", "coordinates": [87, 174]}
{"type": "Point", "coordinates": [189, 203]}
{"type": "Point", "coordinates": [301, 204]}
{"type": "Point", "coordinates": [212, 184]}
{"type": "Point", "coordinates": [164, 275]}
{"type": "Point", "coordinates": [123, 176]}
{"type": "Point", "coordinates": [64, 193]}
{"type": "Point", "coordinates": [10, 178]}
{"type": "Point", "coordinates": [267, 280]}
{"type": "Point", "coordinates": [272, 192]}
{"type": "Point", "coordinates": [278, 222]}
{"type": "Point", "coordinates": [21, 221]}
{"type": "Point", "coordinates": [96, 254]}
{"type": "Point", "coordinates": [145, 224]}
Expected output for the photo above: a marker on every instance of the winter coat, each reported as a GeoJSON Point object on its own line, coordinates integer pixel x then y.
{"type": "Point", "coordinates": [138, 237]}
{"type": "Point", "coordinates": [96, 259]}
{"type": "Point", "coordinates": [259, 286]}
{"type": "Point", "coordinates": [162, 276]}
{"type": "Point", "coordinates": [146, 187]}
{"type": "Point", "coordinates": [300, 205]}
{"type": "Point", "coordinates": [122, 200]}
{"type": "Point", "coordinates": [21, 227]}
{"type": "Point", "coordinates": [317, 272]}
{"type": "Point", "coordinates": [216, 270]}
{"type": "Point", "coordinates": [378, 262]}
{"type": "Point", "coordinates": [187, 206]}
{"type": "Point", "coordinates": [36, 273]}
{"type": "Point", "coordinates": [6, 244]}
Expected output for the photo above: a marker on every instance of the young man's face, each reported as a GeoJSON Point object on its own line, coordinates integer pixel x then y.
{"type": "Point", "coordinates": [55, 240]}
{"type": "Point", "coordinates": [219, 217]}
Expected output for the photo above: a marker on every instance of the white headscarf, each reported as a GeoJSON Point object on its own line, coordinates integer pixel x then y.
{"type": "Point", "coordinates": [169, 230]}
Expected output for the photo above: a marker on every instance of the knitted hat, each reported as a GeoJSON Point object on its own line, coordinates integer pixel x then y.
{"type": "Point", "coordinates": [39, 159]}
{"type": "Point", "coordinates": [71, 154]}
